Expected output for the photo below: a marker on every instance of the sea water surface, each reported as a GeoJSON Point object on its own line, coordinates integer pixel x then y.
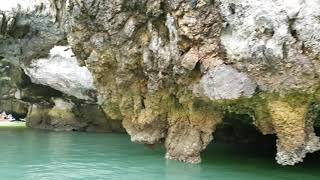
{"type": "Point", "coordinates": [40, 155]}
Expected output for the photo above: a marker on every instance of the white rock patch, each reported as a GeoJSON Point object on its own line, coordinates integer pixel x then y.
{"type": "Point", "coordinates": [225, 82]}
{"type": "Point", "coordinates": [62, 72]}
{"type": "Point", "coordinates": [258, 29]}
{"type": "Point", "coordinates": [22, 5]}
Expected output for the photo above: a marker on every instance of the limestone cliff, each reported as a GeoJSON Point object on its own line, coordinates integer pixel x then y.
{"type": "Point", "coordinates": [40, 77]}
{"type": "Point", "coordinates": [170, 70]}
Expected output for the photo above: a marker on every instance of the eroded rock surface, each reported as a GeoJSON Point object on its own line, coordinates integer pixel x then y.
{"type": "Point", "coordinates": [189, 133]}
{"type": "Point", "coordinates": [67, 116]}
{"type": "Point", "coordinates": [143, 65]}
{"type": "Point", "coordinates": [262, 38]}
{"type": "Point", "coordinates": [62, 72]}
{"type": "Point", "coordinates": [153, 59]}
{"type": "Point", "coordinates": [295, 135]}
{"type": "Point", "coordinates": [34, 73]}
{"type": "Point", "coordinates": [170, 70]}
{"type": "Point", "coordinates": [225, 82]}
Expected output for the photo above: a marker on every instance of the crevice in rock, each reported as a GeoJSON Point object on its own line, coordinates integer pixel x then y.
{"type": "Point", "coordinates": [232, 8]}
{"type": "Point", "coordinates": [292, 30]}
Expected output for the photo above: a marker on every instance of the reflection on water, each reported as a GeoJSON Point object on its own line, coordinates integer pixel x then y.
{"type": "Point", "coordinates": [29, 154]}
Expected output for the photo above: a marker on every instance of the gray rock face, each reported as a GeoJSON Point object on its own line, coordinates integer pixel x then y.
{"type": "Point", "coordinates": [9, 73]}
{"type": "Point", "coordinates": [27, 30]}
{"type": "Point", "coordinates": [256, 29]}
{"type": "Point", "coordinates": [225, 82]}
{"type": "Point", "coordinates": [268, 39]}
{"type": "Point", "coordinates": [306, 26]}
{"type": "Point", "coordinates": [30, 29]}
{"type": "Point", "coordinates": [62, 72]}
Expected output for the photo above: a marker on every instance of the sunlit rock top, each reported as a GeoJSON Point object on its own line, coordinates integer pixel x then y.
{"type": "Point", "coordinates": [62, 72]}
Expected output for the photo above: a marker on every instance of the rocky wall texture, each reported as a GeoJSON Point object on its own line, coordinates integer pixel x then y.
{"type": "Point", "coordinates": [170, 70]}
{"type": "Point", "coordinates": [40, 77]}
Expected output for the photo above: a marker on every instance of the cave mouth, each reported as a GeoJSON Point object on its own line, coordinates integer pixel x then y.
{"type": "Point", "coordinates": [237, 136]}
{"type": "Point", "coordinates": [238, 129]}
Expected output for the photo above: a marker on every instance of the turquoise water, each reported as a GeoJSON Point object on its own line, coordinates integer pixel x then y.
{"type": "Point", "coordinates": [39, 155]}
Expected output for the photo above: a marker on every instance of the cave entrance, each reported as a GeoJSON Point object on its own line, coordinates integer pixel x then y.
{"type": "Point", "coordinates": [238, 137]}
{"type": "Point", "coordinates": [239, 129]}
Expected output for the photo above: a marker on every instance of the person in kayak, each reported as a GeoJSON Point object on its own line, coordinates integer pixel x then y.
{"type": "Point", "coordinates": [5, 117]}
{"type": "Point", "coordinates": [10, 118]}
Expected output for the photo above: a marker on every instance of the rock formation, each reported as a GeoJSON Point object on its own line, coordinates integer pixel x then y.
{"type": "Point", "coordinates": [62, 72]}
{"type": "Point", "coordinates": [40, 77]}
{"type": "Point", "coordinates": [169, 70]}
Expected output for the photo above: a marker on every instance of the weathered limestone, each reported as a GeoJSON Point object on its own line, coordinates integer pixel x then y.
{"type": "Point", "coordinates": [59, 117]}
{"type": "Point", "coordinates": [28, 31]}
{"type": "Point", "coordinates": [262, 39]}
{"type": "Point", "coordinates": [62, 72]}
{"type": "Point", "coordinates": [143, 66]}
{"type": "Point", "coordinates": [189, 134]}
{"type": "Point", "coordinates": [19, 108]}
{"type": "Point", "coordinates": [37, 69]}
{"type": "Point", "coordinates": [166, 70]}
{"type": "Point", "coordinates": [150, 59]}
{"type": "Point", "coordinates": [149, 123]}
{"type": "Point", "coordinates": [67, 116]}
{"type": "Point", "coordinates": [296, 136]}
{"type": "Point", "coordinates": [149, 126]}
{"type": "Point", "coordinates": [225, 82]}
